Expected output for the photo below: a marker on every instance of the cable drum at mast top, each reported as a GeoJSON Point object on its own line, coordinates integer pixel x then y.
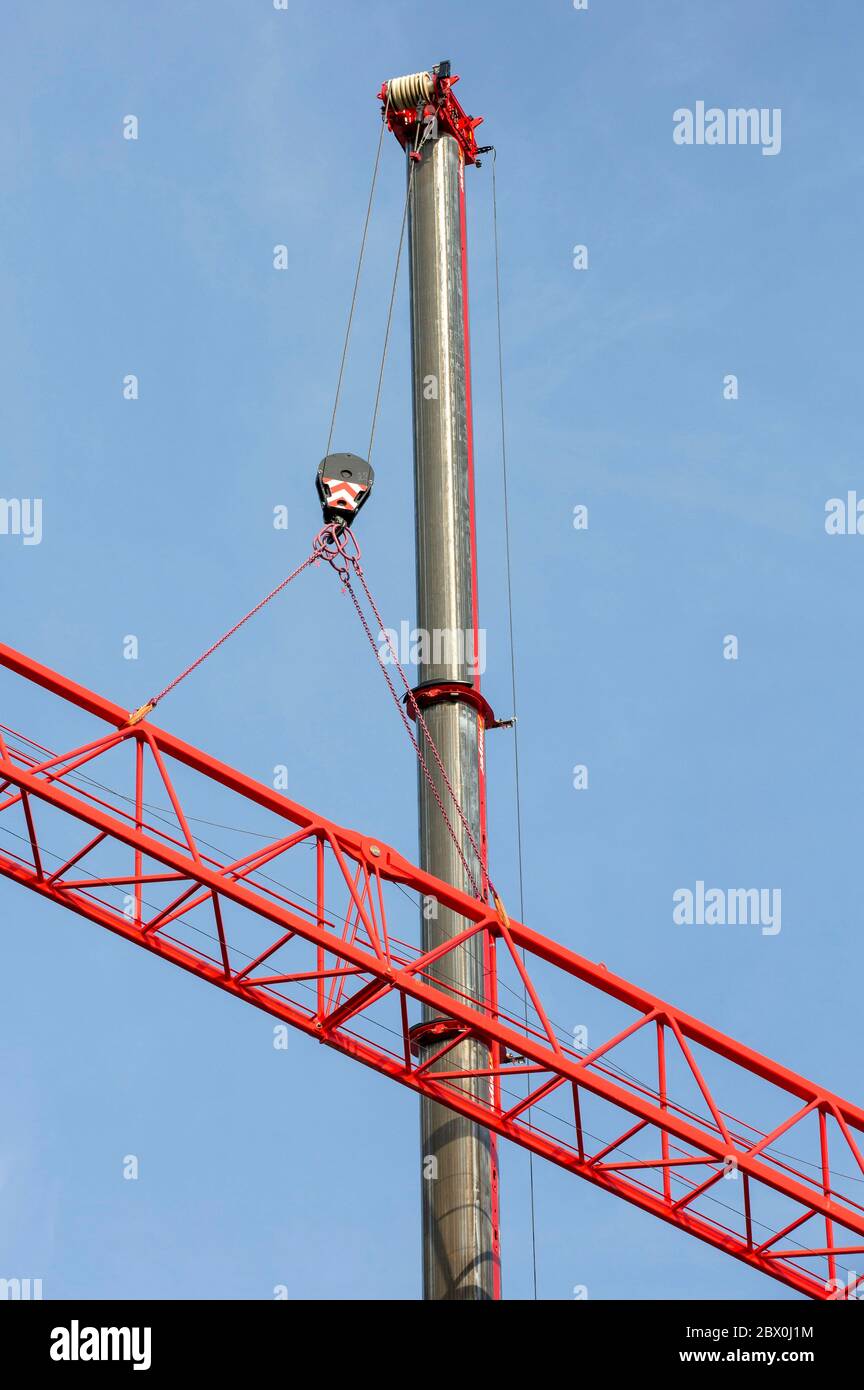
{"type": "Point", "coordinates": [407, 100]}
{"type": "Point", "coordinates": [404, 92]}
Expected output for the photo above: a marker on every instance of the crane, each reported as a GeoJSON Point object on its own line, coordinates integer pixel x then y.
{"type": "Point", "coordinates": [418, 971]}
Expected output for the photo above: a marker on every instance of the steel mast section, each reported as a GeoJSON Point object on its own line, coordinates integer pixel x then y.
{"type": "Point", "coordinates": [459, 1182]}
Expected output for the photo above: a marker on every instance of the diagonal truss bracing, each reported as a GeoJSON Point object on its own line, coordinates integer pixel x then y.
{"type": "Point", "coordinates": [339, 959]}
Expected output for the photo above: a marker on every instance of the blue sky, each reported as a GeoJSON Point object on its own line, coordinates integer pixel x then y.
{"type": "Point", "coordinates": [154, 257]}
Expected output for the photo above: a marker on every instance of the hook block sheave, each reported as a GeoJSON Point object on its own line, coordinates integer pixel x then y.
{"type": "Point", "coordinates": [648, 1113]}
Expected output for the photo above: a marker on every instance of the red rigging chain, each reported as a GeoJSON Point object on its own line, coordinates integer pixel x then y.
{"type": "Point", "coordinates": [335, 547]}
{"type": "Point", "coordinates": [331, 544]}
{"type": "Point", "coordinates": [143, 710]}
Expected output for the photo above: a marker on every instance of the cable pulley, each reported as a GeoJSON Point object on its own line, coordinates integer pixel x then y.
{"type": "Point", "coordinates": [414, 90]}
{"type": "Point", "coordinates": [344, 484]}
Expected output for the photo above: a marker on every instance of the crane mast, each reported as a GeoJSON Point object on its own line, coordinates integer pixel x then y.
{"type": "Point", "coordinates": [461, 1255]}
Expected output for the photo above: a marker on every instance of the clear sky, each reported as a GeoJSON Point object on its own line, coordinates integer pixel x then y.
{"type": "Point", "coordinates": [154, 257]}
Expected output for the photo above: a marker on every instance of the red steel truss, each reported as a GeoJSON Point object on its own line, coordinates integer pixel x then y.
{"type": "Point", "coordinates": [645, 1113]}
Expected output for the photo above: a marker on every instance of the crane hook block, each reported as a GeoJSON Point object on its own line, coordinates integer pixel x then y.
{"type": "Point", "coordinates": [344, 483]}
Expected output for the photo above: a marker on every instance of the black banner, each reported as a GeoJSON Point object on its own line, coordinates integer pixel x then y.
{"type": "Point", "coordinates": [66, 1337]}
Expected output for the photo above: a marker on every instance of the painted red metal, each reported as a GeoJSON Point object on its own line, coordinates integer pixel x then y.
{"type": "Point", "coordinates": [450, 114]}
{"type": "Point", "coordinates": [436, 691]}
{"type": "Point", "coordinates": [333, 963]}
